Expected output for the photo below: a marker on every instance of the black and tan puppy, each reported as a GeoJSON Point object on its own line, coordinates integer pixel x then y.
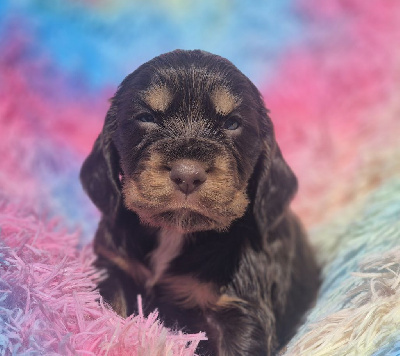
{"type": "Point", "coordinates": [194, 196]}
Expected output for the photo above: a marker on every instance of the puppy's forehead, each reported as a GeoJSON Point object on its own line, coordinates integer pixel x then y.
{"type": "Point", "coordinates": [158, 97]}
{"type": "Point", "coordinates": [224, 100]}
{"type": "Point", "coordinates": [198, 84]}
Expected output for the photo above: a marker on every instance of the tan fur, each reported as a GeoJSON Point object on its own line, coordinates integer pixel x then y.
{"type": "Point", "coordinates": [188, 292]}
{"type": "Point", "coordinates": [169, 246]}
{"type": "Point", "coordinates": [224, 101]}
{"type": "Point", "coordinates": [134, 268]}
{"type": "Point", "coordinates": [220, 200]}
{"type": "Point", "coordinates": [119, 301]}
{"type": "Point", "coordinates": [225, 301]}
{"type": "Point", "coordinates": [158, 98]}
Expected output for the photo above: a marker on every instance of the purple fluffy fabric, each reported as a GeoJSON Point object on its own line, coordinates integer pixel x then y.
{"type": "Point", "coordinates": [49, 305]}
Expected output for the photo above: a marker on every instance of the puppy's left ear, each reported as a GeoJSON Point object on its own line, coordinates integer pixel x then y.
{"type": "Point", "coordinates": [274, 185]}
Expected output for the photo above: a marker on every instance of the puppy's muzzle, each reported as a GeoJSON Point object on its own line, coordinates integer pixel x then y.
{"type": "Point", "coordinates": [187, 175]}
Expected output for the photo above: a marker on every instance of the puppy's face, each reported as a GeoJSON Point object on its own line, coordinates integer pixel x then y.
{"type": "Point", "coordinates": [188, 131]}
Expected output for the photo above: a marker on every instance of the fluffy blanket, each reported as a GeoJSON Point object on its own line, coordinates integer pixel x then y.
{"type": "Point", "coordinates": [358, 309]}
{"type": "Point", "coordinates": [49, 304]}
{"type": "Point", "coordinates": [329, 74]}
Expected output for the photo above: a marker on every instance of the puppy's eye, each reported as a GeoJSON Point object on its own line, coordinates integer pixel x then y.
{"type": "Point", "coordinates": [145, 118]}
{"type": "Point", "coordinates": [231, 124]}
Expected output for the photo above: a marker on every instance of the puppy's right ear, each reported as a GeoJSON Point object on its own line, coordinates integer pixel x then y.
{"type": "Point", "coordinates": [100, 171]}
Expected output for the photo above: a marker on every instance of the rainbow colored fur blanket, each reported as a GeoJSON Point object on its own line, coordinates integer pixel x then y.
{"type": "Point", "coordinates": [329, 73]}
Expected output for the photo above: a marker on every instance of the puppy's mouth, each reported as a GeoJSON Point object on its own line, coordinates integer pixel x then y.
{"type": "Point", "coordinates": [172, 210]}
{"type": "Point", "coordinates": [186, 197]}
{"type": "Point", "coordinates": [183, 220]}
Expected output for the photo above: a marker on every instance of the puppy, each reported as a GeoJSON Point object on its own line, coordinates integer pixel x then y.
{"type": "Point", "coordinates": [194, 196]}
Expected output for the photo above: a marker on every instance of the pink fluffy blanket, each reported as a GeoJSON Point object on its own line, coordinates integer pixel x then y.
{"type": "Point", "coordinates": [49, 305]}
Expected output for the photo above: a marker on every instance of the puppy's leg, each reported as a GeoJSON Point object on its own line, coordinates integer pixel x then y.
{"type": "Point", "coordinates": [112, 291]}
{"type": "Point", "coordinates": [241, 328]}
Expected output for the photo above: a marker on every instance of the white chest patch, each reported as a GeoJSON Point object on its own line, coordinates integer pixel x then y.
{"type": "Point", "coordinates": [169, 246]}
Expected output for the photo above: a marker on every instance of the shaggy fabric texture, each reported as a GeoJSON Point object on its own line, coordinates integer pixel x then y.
{"type": "Point", "coordinates": [49, 303]}
{"type": "Point", "coordinates": [329, 74]}
{"type": "Point", "coordinates": [358, 310]}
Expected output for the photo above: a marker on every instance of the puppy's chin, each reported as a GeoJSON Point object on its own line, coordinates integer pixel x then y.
{"type": "Point", "coordinates": [183, 220]}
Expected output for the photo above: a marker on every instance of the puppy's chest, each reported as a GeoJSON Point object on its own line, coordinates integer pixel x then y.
{"type": "Point", "coordinates": [169, 247]}
{"type": "Point", "coordinates": [181, 289]}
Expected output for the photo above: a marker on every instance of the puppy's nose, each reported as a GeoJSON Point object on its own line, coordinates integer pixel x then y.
{"type": "Point", "coordinates": [188, 175]}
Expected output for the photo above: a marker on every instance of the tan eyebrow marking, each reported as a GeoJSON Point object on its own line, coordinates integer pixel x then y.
{"type": "Point", "coordinates": [158, 98]}
{"type": "Point", "coordinates": [224, 101]}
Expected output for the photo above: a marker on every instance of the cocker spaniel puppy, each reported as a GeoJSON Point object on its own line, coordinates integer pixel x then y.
{"type": "Point", "coordinates": [194, 196]}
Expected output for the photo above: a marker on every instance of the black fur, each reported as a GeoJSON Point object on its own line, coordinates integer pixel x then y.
{"type": "Point", "coordinates": [260, 265]}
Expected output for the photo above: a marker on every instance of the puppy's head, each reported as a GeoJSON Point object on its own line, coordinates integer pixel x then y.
{"type": "Point", "coordinates": [188, 143]}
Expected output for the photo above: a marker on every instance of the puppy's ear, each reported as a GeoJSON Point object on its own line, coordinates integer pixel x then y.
{"type": "Point", "coordinates": [100, 171]}
{"type": "Point", "coordinates": [274, 187]}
